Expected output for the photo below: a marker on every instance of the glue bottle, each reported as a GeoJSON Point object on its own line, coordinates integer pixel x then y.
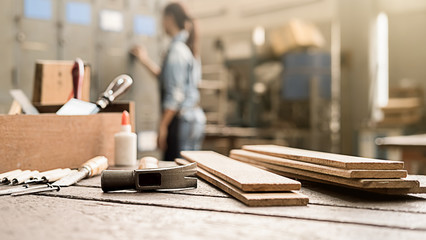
{"type": "Point", "coordinates": [125, 143]}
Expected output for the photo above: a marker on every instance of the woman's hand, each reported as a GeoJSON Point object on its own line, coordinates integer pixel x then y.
{"type": "Point", "coordinates": [140, 53]}
{"type": "Point", "coordinates": [162, 138]}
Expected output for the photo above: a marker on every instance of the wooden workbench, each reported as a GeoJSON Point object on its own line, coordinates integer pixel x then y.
{"type": "Point", "coordinates": [413, 150]}
{"type": "Point", "coordinates": [85, 212]}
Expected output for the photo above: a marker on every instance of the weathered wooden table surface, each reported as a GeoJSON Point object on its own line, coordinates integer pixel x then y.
{"type": "Point", "coordinates": [85, 212]}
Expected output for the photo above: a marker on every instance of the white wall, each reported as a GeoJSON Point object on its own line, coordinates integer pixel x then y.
{"type": "Point", "coordinates": [224, 16]}
{"type": "Point", "coordinates": [407, 51]}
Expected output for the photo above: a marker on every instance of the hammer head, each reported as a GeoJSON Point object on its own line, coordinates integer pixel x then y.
{"type": "Point", "coordinates": [172, 178]}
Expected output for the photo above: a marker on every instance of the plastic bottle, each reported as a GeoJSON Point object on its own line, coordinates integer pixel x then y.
{"type": "Point", "coordinates": [125, 143]}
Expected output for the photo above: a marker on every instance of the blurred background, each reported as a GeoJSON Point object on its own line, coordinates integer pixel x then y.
{"type": "Point", "coordinates": [328, 75]}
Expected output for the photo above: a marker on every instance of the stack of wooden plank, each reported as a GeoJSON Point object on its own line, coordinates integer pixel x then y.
{"type": "Point", "coordinates": [251, 185]}
{"type": "Point", "coordinates": [380, 176]}
{"type": "Point", "coordinates": [405, 107]}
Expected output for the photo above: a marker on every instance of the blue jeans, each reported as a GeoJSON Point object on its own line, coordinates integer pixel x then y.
{"type": "Point", "coordinates": [192, 123]}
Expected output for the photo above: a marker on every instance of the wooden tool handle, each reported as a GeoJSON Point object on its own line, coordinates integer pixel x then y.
{"type": "Point", "coordinates": [148, 162]}
{"type": "Point", "coordinates": [23, 177]}
{"type": "Point", "coordinates": [77, 77]}
{"type": "Point", "coordinates": [3, 175]}
{"type": "Point", "coordinates": [54, 176]}
{"type": "Point", "coordinates": [116, 88]}
{"type": "Point", "coordinates": [48, 173]}
{"type": "Point", "coordinates": [96, 165]}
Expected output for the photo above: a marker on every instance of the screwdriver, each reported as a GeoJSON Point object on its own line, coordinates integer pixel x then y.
{"type": "Point", "coordinates": [49, 176]}
{"type": "Point", "coordinates": [91, 168]}
{"type": "Point", "coordinates": [8, 178]}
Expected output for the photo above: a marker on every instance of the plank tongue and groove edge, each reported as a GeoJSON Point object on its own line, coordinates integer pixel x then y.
{"type": "Point", "coordinates": [420, 189]}
{"type": "Point", "coordinates": [242, 175]}
{"type": "Point", "coordinates": [328, 159]}
{"type": "Point", "coordinates": [319, 177]}
{"type": "Point", "coordinates": [346, 173]}
{"type": "Point", "coordinates": [252, 199]}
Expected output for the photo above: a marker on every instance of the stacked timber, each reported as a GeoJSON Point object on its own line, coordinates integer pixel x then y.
{"type": "Point", "coordinates": [374, 175]}
{"type": "Point", "coordinates": [405, 107]}
{"type": "Point", "coordinates": [251, 185]}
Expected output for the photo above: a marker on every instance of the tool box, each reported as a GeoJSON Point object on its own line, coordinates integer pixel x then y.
{"type": "Point", "coordinates": [48, 141]}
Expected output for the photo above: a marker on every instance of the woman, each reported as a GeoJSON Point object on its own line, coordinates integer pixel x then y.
{"type": "Point", "coordinates": [183, 121]}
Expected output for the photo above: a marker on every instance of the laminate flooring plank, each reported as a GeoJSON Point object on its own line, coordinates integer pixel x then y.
{"type": "Point", "coordinates": [252, 199]}
{"type": "Point", "coordinates": [328, 159]}
{"type": "Point", "coordinates": [340, 196]}
{"type": "Point", "coordinates": [331, 214]}
{"type": "Point", "coordinates": [319, 194]}
{"type": "Point", "coordinates": [358, 183]}
{"type": "Point", "coordinates": [319, 168]}
{"type": "Point", "coordinates": [244, 176]}
{"type": "Point", "coordinates": [415, 190]}
{"type": "Point", "coordinates": [71, 219]}
{"type": "Point", "coordinates": [381, 190]}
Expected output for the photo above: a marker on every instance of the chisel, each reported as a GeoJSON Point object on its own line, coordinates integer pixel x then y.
{"type": "Point", "coordinates": [38, 176]}
{"type": "Point", "coordinates": [23, 177]}
{"type": "Point", "coordinates": [51, 176]}
{"type": "Point", "coordinates": [91, 168]}
{"type": "Point", "coordinates": [8, 179]}
{"type": "Point", "coordinates": [6, 174]}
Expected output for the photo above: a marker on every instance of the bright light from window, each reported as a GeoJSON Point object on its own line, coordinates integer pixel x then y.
{"type": "Point", "coordinates": [259, 36]}
{"type": "Point", "coordinates": [382, 87]}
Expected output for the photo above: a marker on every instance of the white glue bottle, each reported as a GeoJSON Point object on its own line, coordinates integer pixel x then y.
{"type": "Point", "coordinates": [125, 143]}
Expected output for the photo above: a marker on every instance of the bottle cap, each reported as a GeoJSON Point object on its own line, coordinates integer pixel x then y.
{"type": "Point", "coordinates": [125, 119]}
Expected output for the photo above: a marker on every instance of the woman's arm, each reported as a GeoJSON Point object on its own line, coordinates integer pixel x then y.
{"type": "Point", "coordinates": [166, 119]}
{"type": "Point", "coordinates": [141, 54]}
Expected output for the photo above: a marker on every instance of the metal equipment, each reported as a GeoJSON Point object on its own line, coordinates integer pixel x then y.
{"type": "Point", "coordinates": [116, 88]}
{"type": "Point", "coordinates": [150, 179]}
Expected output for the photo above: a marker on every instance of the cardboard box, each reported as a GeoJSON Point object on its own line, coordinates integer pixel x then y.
{"type": "Point", "coordinates": [296, 34]}
{"type": "Point", "coordinates": [53, 82]}
{"type": "Point", "coordinates": [47, 141]}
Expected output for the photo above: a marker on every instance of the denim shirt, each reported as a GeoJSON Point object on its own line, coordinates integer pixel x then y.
{"type": "Point", "coordinates": [180, 75]}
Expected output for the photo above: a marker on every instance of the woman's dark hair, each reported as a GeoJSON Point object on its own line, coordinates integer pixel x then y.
{"type": "Point", "coordinates": [184, 21]}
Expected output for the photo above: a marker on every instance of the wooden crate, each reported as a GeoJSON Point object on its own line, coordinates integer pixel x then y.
{"type": "Point", "coordinates": [47, 141]}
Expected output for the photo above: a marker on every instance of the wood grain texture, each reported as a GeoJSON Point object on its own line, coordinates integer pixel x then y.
{"type": "Point", "coordinates": [53, 82]}
{"type": "Point", "coordinates": [420, 189]}
{"type": "Point", "coordinates": [47, 141]}
{"type": "Point", "coordinates": [319, 168]}
{"type": "Point", "coordinates": [78, 219]}
{"type": "Point", "coordinates": [319, 194]}
{"type": "Point", "coordinates": [242, 175]}
{"type": "Point", "coordinates": [328, 213]}
{"type": "Point", "coordinates": [386, 191]}
{"type": "Point", "coordinates": [252, 199]}
{"type": "Point", "coordinates": [358, 183]}
{"type": "Point", "coordinates": [328, 159]}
